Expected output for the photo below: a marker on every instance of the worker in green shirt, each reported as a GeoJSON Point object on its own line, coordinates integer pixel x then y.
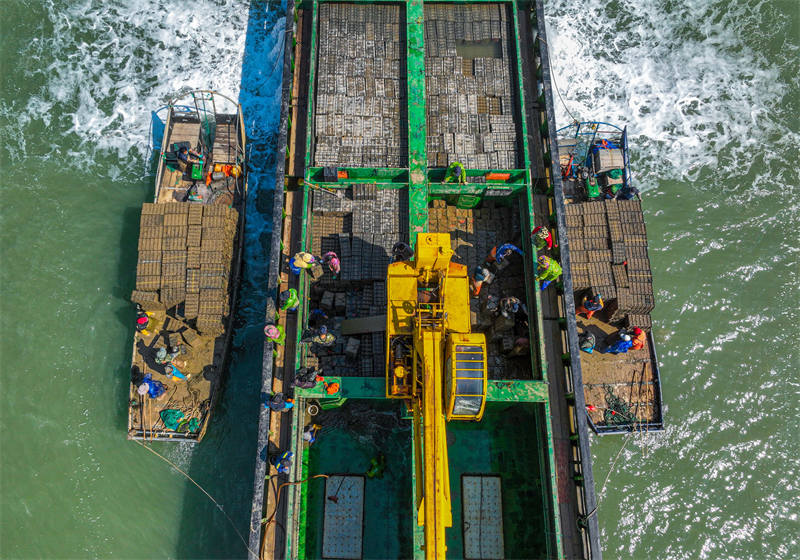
{"type": "Point", "coordinates": [275, 333]}
{"type": "Point", "coordinates": [289, 300]}
{"type": "Point", "coordinates": [547, 270]}
{"type": "Point", "coordinates": [456, 173]}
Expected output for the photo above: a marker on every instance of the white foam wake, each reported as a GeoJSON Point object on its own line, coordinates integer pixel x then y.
{"type": "Point", "coordinates": [106, 65]}
{"type": "Point", "coordinates": [695, 90]}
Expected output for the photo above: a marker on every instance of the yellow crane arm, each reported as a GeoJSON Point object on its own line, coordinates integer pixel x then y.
{"type": "Point", "coordinates": [435, 509]}
{"type": "Point", "coordinates": [428, 306]}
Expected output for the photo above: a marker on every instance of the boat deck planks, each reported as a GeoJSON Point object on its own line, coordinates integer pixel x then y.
{"type": "Point", "coordinates": [297, 137]}
{"type": "Point", "coordinates": [280, 423]}
{"type": "Point", "coordinates": [531, 102]}
{"type": "Point", "coordinates": [185, 132]}
{"type": "Point", "coordinates": [630, 376]}
{"type": "Point", "coordinates": [559, 416]}
{"type": "Point", "coordinates": [224, 149]}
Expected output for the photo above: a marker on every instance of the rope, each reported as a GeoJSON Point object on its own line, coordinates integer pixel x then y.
{"type": "Point", "coordinates": [555, 85]}
{"type": "Point", "coordinates": [636, 410]}
{"type": "Point", "coordinates": [271, 518]}
{"type": "Point", "coordinates": [636, 420]}
{"type": "Point", "coordinates": [203, 490]}
{"type": "Point", "coordinates": [613, 464]}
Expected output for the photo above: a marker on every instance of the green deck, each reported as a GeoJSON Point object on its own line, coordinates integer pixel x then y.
{"type": "Point", "coordinates": [504, 390]}
{"type": "Point", "coordinates": [493, 446]}
{"type": "Point", "coordinates": [348, 450]}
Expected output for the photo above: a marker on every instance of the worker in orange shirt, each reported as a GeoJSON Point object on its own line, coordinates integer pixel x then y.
{"type": "Point", "coordinates": [639, 338]}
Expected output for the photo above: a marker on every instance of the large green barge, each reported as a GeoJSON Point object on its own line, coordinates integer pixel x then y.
{"type": "Point", "coordinates": [379, 99]}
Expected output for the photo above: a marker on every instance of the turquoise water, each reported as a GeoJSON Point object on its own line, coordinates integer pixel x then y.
{"type": "Point", "coordinates": [710, 93]}
{"type": "Point", "coordinates": [79, 82]}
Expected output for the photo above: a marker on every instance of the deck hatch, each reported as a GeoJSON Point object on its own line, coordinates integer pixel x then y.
{"type": "Point", "coordinates": [343, 529]}
{"type": "Point", "coordinates": [482, 503]}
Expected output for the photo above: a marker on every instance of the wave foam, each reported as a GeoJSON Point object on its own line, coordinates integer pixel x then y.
{"type": "Point", "coordinates": [698, 94]}
{"type": "Point", "coordinates": [111, 64]}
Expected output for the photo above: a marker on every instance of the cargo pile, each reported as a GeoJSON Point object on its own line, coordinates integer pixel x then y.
{"type": "Point", "coordinates": [473, 234]}
{"type": "Point", "coordinates": [608, 249]}
{"type": "Point", "coordinates": [185, 253]}
{"type": "Point", "coordinates": [360, 95]}
{"type": "Point", "coordinates": [469, 81]}
{"type": "Point", "coordinates": [361, 225]}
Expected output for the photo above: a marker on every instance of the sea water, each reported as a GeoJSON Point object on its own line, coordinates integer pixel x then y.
{"type": "Point", "coordinates": [709, 91]}
{"type": "Point", "coordinates": [79, 82]}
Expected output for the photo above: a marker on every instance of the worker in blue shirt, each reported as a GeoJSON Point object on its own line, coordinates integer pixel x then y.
{"type": "Point", "coordinates": [283, 462]}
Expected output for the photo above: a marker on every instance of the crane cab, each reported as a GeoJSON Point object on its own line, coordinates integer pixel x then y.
{"type": "Point", "coordinates": [465, 377]}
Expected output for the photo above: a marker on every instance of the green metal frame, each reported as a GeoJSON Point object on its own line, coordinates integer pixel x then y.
{"type": "Point", "coordinates": [438, 174]}
{"type": "Point", "coordinates": [504, 390]}
{"type": "Point", "coordinates": [417, 126]}
{"type": "Point", "coordinates": [381, 175]}
{"type": "Point", "coordinates": [312, 86]}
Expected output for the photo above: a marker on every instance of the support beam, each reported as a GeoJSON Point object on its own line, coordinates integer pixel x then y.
{"type": "Point", "coordinates": [516, 390]}
{"type": "Point", "coordinates": [498, 390]}
{"type": "Point", "coordinates": [417, 128]}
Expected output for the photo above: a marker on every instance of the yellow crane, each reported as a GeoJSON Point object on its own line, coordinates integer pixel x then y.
{"type": "Point", "coordinates": [437, 365]}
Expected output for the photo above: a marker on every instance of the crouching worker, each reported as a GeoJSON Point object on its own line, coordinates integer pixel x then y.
{"type": "Point", "coordinates": [301, 261]}
{"type": "Point", "coordinates": [307, 378]}
{"type": "Point", "coordinates": [187, 157]}
{"type": "Point", "coordinates": [456, 173]}
{"type": "Point", "coordinates": [639, 339]}
{"type": "Point", "coordinates": [310, 433]}
{"type": "Point", "coordinates": [376, 466]}
{"type": "Point", "coordinates": [480, 274]}
{"type": "Point", "coordinates": [276, 333]}
{"type": "Point", "coordinates": [332, 260]}
{"type": "Point", "coordinates": [542, 238]}
{"type": "Point", "coordinates": [499, 255]}
{"type": "Point", "coordinates": [618, 343]}
{"type": "Point", "coordinates": [402, 252]}
{"type": "Point", "coordinates": [320, 336]}
{"type": "Point", "coordinates": [587, 342]}
{"type": "Point", "coordinates": [278, 403]}
{"type": "Point", "coordinates": [590, 305]}
{"type": "Point", "coordinates": [282, 462]}
{"type": "Point", "coordinates": [289, 300]}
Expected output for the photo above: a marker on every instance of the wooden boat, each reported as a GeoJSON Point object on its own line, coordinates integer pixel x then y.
{"type": "Point", "coordinates": [609, 257]}
{"type": "Point", "coordinates": [187, 275]}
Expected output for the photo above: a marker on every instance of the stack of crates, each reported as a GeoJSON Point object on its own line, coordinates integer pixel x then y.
{"type": "Point", "coordinates": [470, 102]}
{"type": "Point", "coordinates": [174, 254]}
{"type": "Point", "coordinates": [360, 93]}
{"type": "Point", "coordinates": [608, 250]}
{"type": "Point", "coordinates": [185, 255]}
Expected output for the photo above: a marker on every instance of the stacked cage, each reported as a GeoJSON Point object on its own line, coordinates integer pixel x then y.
{"type": "Point", "coordinates": [470, 100]}
{"type": "Point", "coordinates": [361, 224]}
{"type": "Point", "coordinates": [361, 88]}
{"type": "Point", "coordinates": [185, 255]}
{"type": "Point", "coordinates": [608, 250]}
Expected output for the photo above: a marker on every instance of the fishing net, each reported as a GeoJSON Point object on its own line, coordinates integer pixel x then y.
{"type": "Point", "coordinates": [364, 422]}
{"type": "Point", "coordinates": [171, 418]}
{"type": "Point", "coordinates": [617, 410]}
